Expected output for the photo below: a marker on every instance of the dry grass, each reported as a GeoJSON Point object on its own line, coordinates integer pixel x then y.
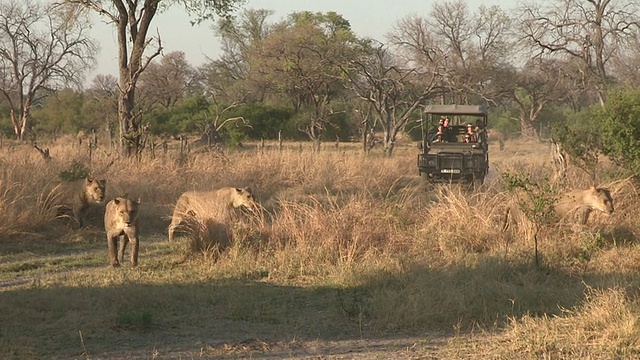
{"type": "Point", "coordinates": [348, 247]}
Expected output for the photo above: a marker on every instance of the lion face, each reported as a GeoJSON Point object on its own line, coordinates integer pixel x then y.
{"type": "Point", "coordinates": [123, 212]}
{"type": "Point", "coordinates": [94, 189]}
{"type": "Point", "coordinates": [243, 197]}
{"type": "Point", "coordinates": [600, 199]}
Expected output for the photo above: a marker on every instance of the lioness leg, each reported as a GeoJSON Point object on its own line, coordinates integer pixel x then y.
{"type": "Point", "coordinates": [78, 215]}
{"type": "Point", "coordinates": [112, 242]}
{"type": "Point", "coordinates": [124, 241]}
{"type": "Point", "coordinates": [176, 220]}
{"type": "Point", "coordinates": [135, 246]}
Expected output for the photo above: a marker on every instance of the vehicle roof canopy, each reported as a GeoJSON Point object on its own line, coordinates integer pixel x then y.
{"type": "Point", "coordinates": [474, 110]}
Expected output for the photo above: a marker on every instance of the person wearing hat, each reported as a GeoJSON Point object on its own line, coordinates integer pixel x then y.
{"type": "Point", "coordinates": [481, 132]}
{"type": "Point", "coordinates": [439, 137]}
{"type": "Point", "coordinates": [470, 136]}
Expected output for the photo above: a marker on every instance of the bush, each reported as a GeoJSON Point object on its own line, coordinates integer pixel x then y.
{"type": "Point", "coordinates": [621, 129]}
{"type": "Point", "coordinates": [75, 172]}
{"type": "Point", "coordinates": [581, 137]}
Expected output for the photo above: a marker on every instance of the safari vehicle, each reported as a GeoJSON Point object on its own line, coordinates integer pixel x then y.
{"type": "Point", "coordinates": [447, 157]}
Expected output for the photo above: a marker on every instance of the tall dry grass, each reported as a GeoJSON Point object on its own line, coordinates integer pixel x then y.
{"type": "Point", "coordinates": [403, 256]}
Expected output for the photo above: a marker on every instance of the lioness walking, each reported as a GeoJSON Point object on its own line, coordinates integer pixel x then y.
{"type": "Point", "coordinates": [574, 207]}
{"type": "Point", "coordinates": [577, 205]}
{"type": "Point", "coordinates": [121, 221]}
{"type": "Point", "coordinates": [210, 205]}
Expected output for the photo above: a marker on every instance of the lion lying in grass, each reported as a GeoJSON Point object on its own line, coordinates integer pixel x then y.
{"type": "Point", "coordinates": [214, 205]}
{"type": "Point", "coordinates": [76, 197]}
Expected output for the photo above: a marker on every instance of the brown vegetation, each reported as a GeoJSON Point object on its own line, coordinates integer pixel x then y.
{"type": "Point", "coordinates": [352, 248]}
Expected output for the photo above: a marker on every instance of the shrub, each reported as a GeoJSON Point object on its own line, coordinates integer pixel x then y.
{"type": "Point", "coordinates": [74, 172]}
{"type": "Point", "coordinates": [621, 129]}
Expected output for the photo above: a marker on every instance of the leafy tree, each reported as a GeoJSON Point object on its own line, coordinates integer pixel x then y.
{"type": "Point", "coordinates": [227, 77]}
{"type": "Point", "coordinates": [536, 200]}
{"type": "Point", "coordinates": [613, 131]}
{"type": "Point", "coordinates": [60, 113]}
{"type": "Point", "coordinates": [299, 61]}
{"type": "Point", "coordinates": [182, 118]}
{"type": "Point", "coordinates": [264, 121]}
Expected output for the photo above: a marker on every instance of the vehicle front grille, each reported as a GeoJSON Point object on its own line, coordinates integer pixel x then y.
{"type": "Point", "coordinates": [450, 161]}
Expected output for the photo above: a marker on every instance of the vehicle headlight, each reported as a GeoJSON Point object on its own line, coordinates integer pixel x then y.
{"type": "Point", "coordinates": [431, 163]}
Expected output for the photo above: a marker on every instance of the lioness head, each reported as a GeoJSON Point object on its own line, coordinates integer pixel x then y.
{"type": "Point", "coordinates": [599, 199]}
{"type": "Point", "coordinates": [94, 189]}
{"type": "Point", "coordinates": [124, 212]}
{"type": "Point", "coordinates": [243, 197]}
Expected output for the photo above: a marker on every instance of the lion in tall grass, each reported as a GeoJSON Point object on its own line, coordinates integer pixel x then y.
{"type": "Point", "coordinates": [121, 224]}
{"type": "Point", "coordinates": [207, 206]}
{"type": "Point", "coordinates": [77, 197]}
{"type": "Point", "coordinates": [573, 207]}
{"type": "Point", "coordinates": [577, 205]}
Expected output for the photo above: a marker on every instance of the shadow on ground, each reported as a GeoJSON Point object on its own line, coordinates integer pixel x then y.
{"type": "Point", "coordinates": [126, 313]}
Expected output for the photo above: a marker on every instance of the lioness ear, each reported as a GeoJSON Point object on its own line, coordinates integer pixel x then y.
{"type": "Point", "coordinates": [89, 180]}
{"type": "Point", "coordinates": [239, 190]}
{"type": "Point", "coordinates": [116, 201]}
{"type": "Point", "coordinates": [248, 189]}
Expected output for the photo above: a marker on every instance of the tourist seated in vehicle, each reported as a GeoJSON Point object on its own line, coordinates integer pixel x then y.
{"type": "Point", "coordinates": [439, 137]}
{"type": "Point", "coordinates": [470, 136]}
{"type": "Point", "coordinates": [481, 132]}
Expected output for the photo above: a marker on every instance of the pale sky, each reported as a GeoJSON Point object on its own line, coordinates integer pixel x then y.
{"type": "Point", "coordinates": [368, 18]}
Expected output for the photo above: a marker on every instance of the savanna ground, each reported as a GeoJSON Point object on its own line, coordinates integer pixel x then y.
{"type": "Point", "coordinates": [354, 258]}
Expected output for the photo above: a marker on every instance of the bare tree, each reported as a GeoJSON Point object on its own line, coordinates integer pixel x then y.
{"type": "Point", "coordinates": [41, 49]}
{"type": "Point", "coordinates": [168, 81]}
{"type": "Point", "coordinates": [101, 105]}
{"type": "Point", "coordinates": [132, 20]}
{"type": "Point", "coordinates": [540, 82]}
{"type": "Point", "coordinates": [625, 66]}
{"type": "Point", "coordinates": [591, 32]}
{"type": "Point", "coordinates": [467, 49]}
{"type": "Point", "coordinates": [394, 91]}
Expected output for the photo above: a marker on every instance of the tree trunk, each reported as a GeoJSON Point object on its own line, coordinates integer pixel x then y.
{"type": "Point", "coordinates": [365, 133]}
{"type": "Point", "coordinates": [23, 126]}
{"type": "Point", "coordinates": [19, 125]}
{"type": "Point", "coordinates": [130, 67]}
{"type": "Point", "coordinates": [129, 127]}
{"type": "Point", "coordinates": [527, 129]}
